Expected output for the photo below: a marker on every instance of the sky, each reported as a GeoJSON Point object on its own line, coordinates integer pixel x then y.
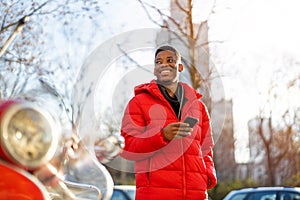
{"type": "Point", "coordinates": [259, 37]}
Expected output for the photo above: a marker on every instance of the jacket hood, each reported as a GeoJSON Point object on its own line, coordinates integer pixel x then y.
{"type": "Point", "coordinates": [152, 87]}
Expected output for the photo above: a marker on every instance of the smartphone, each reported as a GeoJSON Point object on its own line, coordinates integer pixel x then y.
{"type": "Point", "coordinates": [191, 121]}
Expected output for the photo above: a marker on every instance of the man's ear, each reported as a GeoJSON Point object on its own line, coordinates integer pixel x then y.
{"type": "Point", "coordinates": [180, 67]}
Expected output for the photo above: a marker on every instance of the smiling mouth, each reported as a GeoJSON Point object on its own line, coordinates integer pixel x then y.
{"type": "Point", "coordinates": [165, 71]}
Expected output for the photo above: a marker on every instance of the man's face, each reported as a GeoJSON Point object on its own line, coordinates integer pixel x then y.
{"type": "Point", "coordinates": [166, 67]}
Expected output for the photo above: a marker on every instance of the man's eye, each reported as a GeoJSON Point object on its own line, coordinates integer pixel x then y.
{"type": "Point", "coordinates": [157, 62]}
{"type": "Point", "coordinates": [170, 60]}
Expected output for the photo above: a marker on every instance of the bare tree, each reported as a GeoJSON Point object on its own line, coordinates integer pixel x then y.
{"type": "Point", "coordinates": [24, 26]}
{"type": "Point", "coordinates": [190, 36]}
{"type": "Point", "coordinates": [275, 135]}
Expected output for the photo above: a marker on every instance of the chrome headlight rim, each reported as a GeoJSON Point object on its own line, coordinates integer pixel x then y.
{"type": "Point", "coordinates": [8, 150]}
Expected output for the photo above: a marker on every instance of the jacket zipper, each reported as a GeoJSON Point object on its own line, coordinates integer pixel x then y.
{"type": "Point", "coordinates": [149, 171]}
{"type": "Point", "coordinates": [183, 171]}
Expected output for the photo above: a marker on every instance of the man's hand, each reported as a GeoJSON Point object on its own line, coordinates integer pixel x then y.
{"type": "Point", "coordinates": [176, 130]}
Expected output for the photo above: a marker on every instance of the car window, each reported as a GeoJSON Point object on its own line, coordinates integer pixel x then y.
{"type": "Point", "coordinates": [241, 196]}
{"type": "Point", "coordinates": [270, 195]}
{"type": "Point", "coordinates": [131, 193]}
{"type": "Point", "coordinates": [119, 195]}
{"type": "Point", "coordinates": [263, 195]}
{"type": "Point", "coordinates": [289, 196]}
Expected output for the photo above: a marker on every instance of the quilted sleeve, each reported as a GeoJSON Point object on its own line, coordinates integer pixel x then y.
{"type": "Point", "coordinates": [141, 141]}
{"type": "Point", "coordinates": [207, 144]}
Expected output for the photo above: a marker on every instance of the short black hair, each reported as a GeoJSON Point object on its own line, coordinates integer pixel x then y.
{"type": "Point", "coordinates": [168, 48]}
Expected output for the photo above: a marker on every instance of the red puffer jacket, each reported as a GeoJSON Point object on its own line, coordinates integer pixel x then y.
{"type": "Point", "coordinates": [178, 169]}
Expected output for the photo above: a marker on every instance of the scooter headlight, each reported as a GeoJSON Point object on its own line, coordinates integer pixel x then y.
{"type": "Point", "coordinates": [29, 135]}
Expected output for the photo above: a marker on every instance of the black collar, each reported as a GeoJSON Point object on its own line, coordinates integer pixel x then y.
{"type": "Point", "coordinates": [177, 101]}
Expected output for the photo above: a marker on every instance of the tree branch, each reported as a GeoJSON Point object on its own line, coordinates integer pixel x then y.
{"type": "Point", "coordinates": [177, 25]}
{"type": "Point", "coordinates": [181, 7]}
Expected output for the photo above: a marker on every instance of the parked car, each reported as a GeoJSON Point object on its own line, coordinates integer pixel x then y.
{"type": "Point", "coordinates": [123, 192]}
{"type": "Point", "coordinates": [264, 193]}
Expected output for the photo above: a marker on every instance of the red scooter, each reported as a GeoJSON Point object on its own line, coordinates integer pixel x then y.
{"type": "Point", "coordinates": [39, 160]}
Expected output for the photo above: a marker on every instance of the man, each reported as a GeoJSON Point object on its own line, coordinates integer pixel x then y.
{"type": "Point", "coordinates": [172, 159]}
